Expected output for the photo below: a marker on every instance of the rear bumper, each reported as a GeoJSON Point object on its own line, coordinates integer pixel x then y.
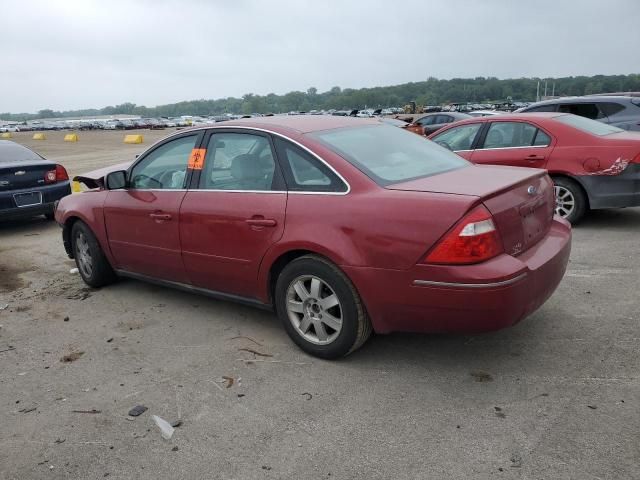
{"type": "Point", "coordinates": [613, 191]}
{"type": "Point", "coordinates": [50, 195]}
{"type": "Point", "coordinates": [465, 299]}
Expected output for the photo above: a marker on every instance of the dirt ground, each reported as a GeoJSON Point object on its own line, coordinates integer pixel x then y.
{"type": "Point", "coordinates": [555, 397]}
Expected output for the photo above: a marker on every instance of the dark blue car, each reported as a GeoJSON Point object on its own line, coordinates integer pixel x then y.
{"type": "Point", "coordinates": [29, 184]}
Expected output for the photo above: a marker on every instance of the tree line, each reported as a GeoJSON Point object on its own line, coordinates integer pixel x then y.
{"type": "Point", "coordinates": [433, 91]}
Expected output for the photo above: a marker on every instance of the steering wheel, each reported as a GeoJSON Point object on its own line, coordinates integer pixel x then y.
{"type": "Point", "coordinates": [166, 179]}
{"type": "Point", "coordinates": [144, 181]}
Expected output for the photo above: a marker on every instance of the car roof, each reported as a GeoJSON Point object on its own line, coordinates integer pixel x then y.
{"type": "Point", "coordinates": [297, 123]}
{"type": "Point", "coordinates": [586, 98]}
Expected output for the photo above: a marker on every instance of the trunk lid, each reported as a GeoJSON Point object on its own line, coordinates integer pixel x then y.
{"type": "Point", "coordinates": [521, 200]}
{"type": "Point", "coordinates": [20, 175]}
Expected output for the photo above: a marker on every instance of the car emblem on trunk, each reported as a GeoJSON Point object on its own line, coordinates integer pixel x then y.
{"type": "Point", "coordinates": [19, 172]}
{"type": "Point", "coordinates": [3, 183]}
{"type": "Point", "coordinates": [532, 190]}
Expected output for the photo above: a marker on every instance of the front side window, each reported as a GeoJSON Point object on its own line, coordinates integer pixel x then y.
{"type": "Point", "coordinates": [238, 161]}
{"type": "Point", "coordinates": [543, 108]}
{"type": "Point", "coordinates": [509, 135]}
{"type": "Point", "coordinates": [443, 119]}
{"type": "Point", "coordinates": [389, 154]}
{"type": "Point", "coordinates": [165, 167]}
{"type": "Point", "coordinates": [458, 138]}
{"type": "Point", "coordinates": [429, 120]}
{"type": "Point", "coordinates": [304, 173]}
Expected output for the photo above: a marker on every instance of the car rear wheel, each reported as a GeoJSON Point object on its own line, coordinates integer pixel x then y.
{"type": "Point", "coordinates": [320, 308]}
{"type": "Point", "coordinates": [571, 202]}
{"type": "Point", "coordinates": [49, 216]}
{"type": "Point", "coordinates": [93, 266]}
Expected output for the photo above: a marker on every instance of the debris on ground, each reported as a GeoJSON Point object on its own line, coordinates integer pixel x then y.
{"type": "Point", "coordinates": [266, 467]}
{"type": "Point", "coordinates": [480, 376]}
{"type": "Point", "coordinates": [240, 395]}
{"type": "Point", "coordinates": [60, 440]}
{"type": "Point", "coordinates": [4, 307]}
{"type": "Point", "coordinates": [592, 407]}
{"type": "Point", "coordinates": [8, 349]}
{"type": "Point", "coordinates": [93, 410]}
{"type": "Point", "coordinates": [73, 271]}
{"type": "Point", "coordinates": [499, 413]}
{"type": "Point", "coordinates": [230, 381]}
{"type": "Point", "coordinates": [65, 319]}
{"type": "Point", "coordinates": [109, 340]}
{"type": "Point", "coordinates": [516, 461]}
{"type": "Point", "coordinates": [174, 449]}
{"type": "Point", "coordinates": [165, 427]}
{"type": "Point", "coordinates": [176, 423]}
{"type": "Point", "coordinates": [71, 357]}
{"type": "Point", "coordinates": [27, 410]}
{"type": "Point", "coordinates": [309, 396]}
{"type": "Point", "coordinates": [137, 410]}
{"type": "Point", "coordinates": [246, 338]}
{"type": "Point", "coordinates": [255, 352]}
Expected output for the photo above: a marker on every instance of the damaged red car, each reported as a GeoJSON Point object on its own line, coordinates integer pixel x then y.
{"type": "Point", "coordinates": [342, 226]}
{"type": "Point", "coordinates": [593, 165]}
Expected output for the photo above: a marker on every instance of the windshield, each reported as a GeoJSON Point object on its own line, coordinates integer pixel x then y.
{"type": "Point", "coordinates": [587, 125]}
{"type": "Point", "coordinates": [389, 154]}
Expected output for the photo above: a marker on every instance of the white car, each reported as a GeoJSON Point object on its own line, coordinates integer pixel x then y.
{"type": "Point", "coordinates": [9, 128]}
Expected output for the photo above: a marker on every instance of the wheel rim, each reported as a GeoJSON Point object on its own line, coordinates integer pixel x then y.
{"type": "Point", "coordinates": [314, 309]}
{"type": "Point", "coordinates": [565, 201]}
{"type": "Point", "coordinates": [83, 254]}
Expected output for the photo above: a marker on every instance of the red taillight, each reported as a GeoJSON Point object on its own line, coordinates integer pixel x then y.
{"type": "Point", "coordinates": [474, 239]}
{"type": "Point", "coordinates": [57, 175]}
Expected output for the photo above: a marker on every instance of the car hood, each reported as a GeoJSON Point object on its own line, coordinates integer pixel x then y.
{"type": "Point", "coordinates": [483, 181]}
{"type": "Point", "coordinates": [95, 179]}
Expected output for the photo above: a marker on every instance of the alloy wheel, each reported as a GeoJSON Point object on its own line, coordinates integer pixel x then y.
{"type": "Point", "coordinates": [83, 254]}
{"type": "Point", "coordinates": [314, 309]}
{"type": "Point", "coordinates": [565, 201]}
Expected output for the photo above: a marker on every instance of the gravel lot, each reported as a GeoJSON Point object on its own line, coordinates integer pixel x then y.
{"type": "Point", "coordinates": [555, 397]}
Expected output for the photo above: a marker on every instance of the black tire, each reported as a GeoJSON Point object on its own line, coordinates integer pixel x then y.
{"type": "Point", "coordinates": [355, 325]}
{"type": "Point", "coordinates": [100, 273]}
{"type": "Point", "coordinates": [49, 216]}
{"type": "Point", "coordinates": [580, 202]}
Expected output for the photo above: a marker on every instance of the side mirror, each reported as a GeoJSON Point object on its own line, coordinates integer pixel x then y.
{"type": "Point", "coordinates": [116, 180]}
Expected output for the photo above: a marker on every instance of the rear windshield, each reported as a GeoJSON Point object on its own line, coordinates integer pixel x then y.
{"type": "Point", "coordinates": [587, 125]}
{"type": "Point", "coordinates": [13, 152]}
{"type": "Point", "coordinates": [390, 154]}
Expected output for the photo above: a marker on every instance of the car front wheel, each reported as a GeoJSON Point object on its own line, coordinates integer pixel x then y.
{"type": "Point", "coordinates": [320, 308]}
{"type": "Point", "coordinates": [93, 266]}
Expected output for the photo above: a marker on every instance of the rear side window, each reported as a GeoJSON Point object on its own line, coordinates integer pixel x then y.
{"type": "Point", "coordinates": [305, 173]}
{"type": "Point", "coordinates": [443, 119]}
{"type": "Point", "coordinates": [611, 108]}
{"type": "Point", "coordinates": [509, 135]}
{"type": "Point", "coordinates": [587, 110]}
{"type": "Point", "coordinates": [389, 154]}
{"type": "Point", "coordinates": [239, 162]}
{"type": "Point", "coordinates": [542, 139]}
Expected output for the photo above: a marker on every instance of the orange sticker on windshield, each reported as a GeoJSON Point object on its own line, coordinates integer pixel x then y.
{"type": "Point", "coordinates": [196, 159]}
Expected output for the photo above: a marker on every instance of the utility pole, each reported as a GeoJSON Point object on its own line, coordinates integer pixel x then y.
{"type": "Point", "coordinates": [545, 89]}
{"type": "Point", "coordinates": [538, 92]}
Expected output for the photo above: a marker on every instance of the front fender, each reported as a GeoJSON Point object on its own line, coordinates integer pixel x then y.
{"type": "Point", "coordinates": [87, 207]}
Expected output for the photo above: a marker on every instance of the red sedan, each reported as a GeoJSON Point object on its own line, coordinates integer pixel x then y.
{"type": "Point", "coordinates": [341, 225]}
{"type": "Point", "coordinates": [593, 165]}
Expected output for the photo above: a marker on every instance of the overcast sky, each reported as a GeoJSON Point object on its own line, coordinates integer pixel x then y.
{"type": "Point", "coordinates": [70, 54]}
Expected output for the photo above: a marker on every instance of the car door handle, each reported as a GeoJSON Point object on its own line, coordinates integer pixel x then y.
{"type": "Point", "coordinates": [261, 222]}
{"type": "Point", "coordinates": [533, 158]}
{"type": "Point", "coordinates": [160, 216]}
